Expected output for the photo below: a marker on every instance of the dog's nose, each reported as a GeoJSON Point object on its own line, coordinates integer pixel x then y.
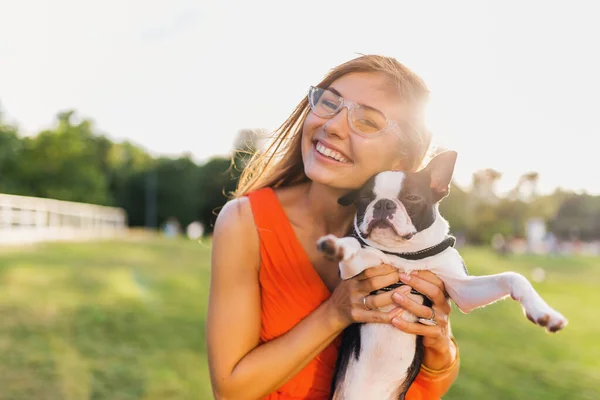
{"type": "Point", "coordinates": [384, 208]}
{"type": "Point", "coordinates": [385, 204]}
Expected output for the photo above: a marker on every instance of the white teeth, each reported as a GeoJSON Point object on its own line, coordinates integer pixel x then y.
{"type": "Point", "coordinates": [330, 153]}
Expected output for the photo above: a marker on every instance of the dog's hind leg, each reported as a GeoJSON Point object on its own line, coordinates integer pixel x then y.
{"type": "Point", "coordinates": [471, 292]}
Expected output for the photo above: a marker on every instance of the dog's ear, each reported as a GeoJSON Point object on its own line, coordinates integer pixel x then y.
{"type": "Point", "coordinates": [348, 198]}
{"type": "Point", "coordinates": [440, 170]}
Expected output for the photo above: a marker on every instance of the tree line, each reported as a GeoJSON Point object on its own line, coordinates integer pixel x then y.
{"type": "Point", "coordinates": [73, 162]}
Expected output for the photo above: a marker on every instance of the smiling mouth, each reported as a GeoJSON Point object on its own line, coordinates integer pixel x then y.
{"type": "Point", "coordinates": [329, 153]}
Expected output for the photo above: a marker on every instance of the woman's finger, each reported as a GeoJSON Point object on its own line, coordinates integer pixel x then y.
{"type": "Point", "coordinates": [415, 308]}
{"type": "Point", "coordinates": [377, 282]}
{"type": "Point", "coordinates": [432, 291]}
{"type": "Point", "coordinates": [384, 299]}
{"type": "Point", "coordinates": [416, 328]}
{"type": "Point", "coordinates": [362, 314]}
{"type": "Point", "coordinates": [431, 278]}
{"type": "Point", "coordinates": [378, 270]}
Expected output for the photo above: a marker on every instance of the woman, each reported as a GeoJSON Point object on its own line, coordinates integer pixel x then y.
{"type": "Point", "coordinates": [276, 306]}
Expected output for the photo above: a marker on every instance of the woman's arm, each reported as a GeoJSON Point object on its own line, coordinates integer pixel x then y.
{"type": "Point", "coordinates": [435, 383]}
{"type": "Point", "coordinates": [242, 368]}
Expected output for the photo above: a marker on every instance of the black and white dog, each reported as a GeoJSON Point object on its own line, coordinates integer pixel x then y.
{"type": "Point", "coordinates": [398, 223]}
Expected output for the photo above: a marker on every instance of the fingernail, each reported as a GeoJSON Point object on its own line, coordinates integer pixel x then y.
{"type": "Point", "coordinates": [415, 273]}
{"type": "Point", "coordinates": [397, 296]}
{"type": "Point", "coordinates": [398, 314]}
{"type": "Point", "coordinates": [404, 277]}
{"type": "Point", "coordinates": [404, 289]}
{"type": "Point", "coordinates": [397, 320]}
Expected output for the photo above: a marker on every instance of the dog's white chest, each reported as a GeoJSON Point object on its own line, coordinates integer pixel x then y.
{"type": "Point", "coordinates": [385, 357]}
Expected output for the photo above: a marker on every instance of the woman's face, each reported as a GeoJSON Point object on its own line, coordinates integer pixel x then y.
{"type": "Point", "coordinates": [351, 158]}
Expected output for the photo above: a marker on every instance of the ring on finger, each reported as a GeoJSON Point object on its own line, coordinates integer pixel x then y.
{"type": "Point", "coordinates": [430, 321]}
{"type": "Point", "coordinates": [364, 301]}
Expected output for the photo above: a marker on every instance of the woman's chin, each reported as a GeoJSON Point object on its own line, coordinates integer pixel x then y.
{"type": "Point", "coordinates": [341, 176]}
{"type": "Point", "coordinates": [323, 177]}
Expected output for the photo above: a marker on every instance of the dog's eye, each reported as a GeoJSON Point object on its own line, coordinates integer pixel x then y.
{"type": "Point", "coordinates": [413, 198]}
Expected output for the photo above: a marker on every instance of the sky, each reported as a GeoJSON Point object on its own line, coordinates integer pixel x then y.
{"type": "Point", "coordinates": [514, 84]}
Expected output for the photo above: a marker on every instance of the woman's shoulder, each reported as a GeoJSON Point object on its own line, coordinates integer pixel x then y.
{"type": "Point", "coordinates": [235, 223]}
{"type": "Point", "coordinates": [238, 207]}
{"type": "Point", "coordinates": [237, 217]}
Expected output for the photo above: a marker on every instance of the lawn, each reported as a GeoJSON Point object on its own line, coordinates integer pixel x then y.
{"type": "Point", "coordinates": [125, 320]}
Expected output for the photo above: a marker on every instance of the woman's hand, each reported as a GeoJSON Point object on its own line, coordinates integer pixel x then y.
{"type": "Point", "coordinates": [351, 301]}
{"type": "Point", "coordinates": [439, 349]}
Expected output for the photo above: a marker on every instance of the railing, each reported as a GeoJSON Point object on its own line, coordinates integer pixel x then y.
{"type": "Point", "coordinates": [33, 219]}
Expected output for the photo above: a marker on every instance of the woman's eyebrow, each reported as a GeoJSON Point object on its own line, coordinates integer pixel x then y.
{"type": "Point", "coordinates": [333, 90]}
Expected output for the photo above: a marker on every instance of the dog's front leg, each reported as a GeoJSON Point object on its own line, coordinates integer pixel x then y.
{"type": "Point", "coordinates": [352, 258]}
{"type": "Point", "coordinates": [470, 292]}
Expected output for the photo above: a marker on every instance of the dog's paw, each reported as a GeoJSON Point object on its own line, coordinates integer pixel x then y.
{"type": "Point", "coordinates": [328, 245]}
{"type": "Point", "coordinates": [548, 318]}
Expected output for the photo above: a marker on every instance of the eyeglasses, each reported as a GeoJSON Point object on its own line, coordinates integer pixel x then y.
{"type": "Point", "coordinates": [363, 120]}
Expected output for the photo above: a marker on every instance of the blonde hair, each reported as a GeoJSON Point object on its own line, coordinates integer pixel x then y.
{"type": "Point", "coordinates": [281, 163]}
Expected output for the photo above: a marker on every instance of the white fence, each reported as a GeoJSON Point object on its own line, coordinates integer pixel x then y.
{"type": "Point", "coordinates": [33, 219]}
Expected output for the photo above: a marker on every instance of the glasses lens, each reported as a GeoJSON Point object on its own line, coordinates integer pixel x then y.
{"type": "Point", "coordinates": [367, 120]}
{"type": "Point", "coordinates": [323, 102]}
{"type": "Point", "coordinates": [364, 120]}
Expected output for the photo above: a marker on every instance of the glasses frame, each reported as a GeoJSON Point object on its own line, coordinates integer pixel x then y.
{"type": "Point", "coordinates": [351, 106]}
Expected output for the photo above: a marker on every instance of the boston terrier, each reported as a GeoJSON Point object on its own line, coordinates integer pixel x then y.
{"type": "Point", "coordinates": [398, 223]}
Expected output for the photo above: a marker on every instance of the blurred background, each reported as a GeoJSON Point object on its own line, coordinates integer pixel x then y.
{"type": "Point", "coordinates": [124, 125]}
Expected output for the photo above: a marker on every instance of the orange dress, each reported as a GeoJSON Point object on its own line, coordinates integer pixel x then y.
{"type": "Point", "coordinates": [291, 289]}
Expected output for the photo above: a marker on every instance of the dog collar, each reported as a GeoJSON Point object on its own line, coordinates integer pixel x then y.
{"type": "Point", "coordinates": [449, 241]}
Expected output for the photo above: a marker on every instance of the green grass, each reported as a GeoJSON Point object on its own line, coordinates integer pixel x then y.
{"type": "Point", "coordinates": [506, 357]}
{"type": "Point", "coordinates": [104, 320]}
{"type": "Point", "coordinates": [125, 320]}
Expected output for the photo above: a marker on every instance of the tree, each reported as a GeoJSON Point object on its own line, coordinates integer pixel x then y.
{"type": "Point", "coordinates": [526, 187]}
{"type": "Point", "coordinates": [578, 216]}
{"type": "Point", "coordinates": [62, 163]}
{"type": "Point", "coordinates": [11, 153]}
{"type": "Point", "coordinates": [454, 209]}
{"type": "Point", "coordinates": [122, 165]}
{"type": "Point", "coordinates": [484, 185]}
{"type": "Point", "coordinates": [217, 181]}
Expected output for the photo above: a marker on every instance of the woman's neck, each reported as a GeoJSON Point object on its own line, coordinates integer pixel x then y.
{"type": "Point", "coordinates": [321, 203]}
